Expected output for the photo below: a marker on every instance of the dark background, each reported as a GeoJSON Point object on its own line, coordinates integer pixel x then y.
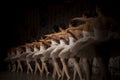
{"type": "Point", "coordinates": [16, 29]}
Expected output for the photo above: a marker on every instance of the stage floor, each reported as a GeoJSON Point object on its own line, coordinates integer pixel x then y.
{"type": "Point", "coordinates": [24, 76]}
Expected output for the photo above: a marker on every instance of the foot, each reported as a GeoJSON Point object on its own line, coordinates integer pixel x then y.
{"type": "Point", "coordinates": [53, 76]}
{"type": "Point", "coordinates": [68, 78]}
{"type": "Point", "coordinates": [59, 76]}
{"type": "Point", "coordinates": [47, 74]}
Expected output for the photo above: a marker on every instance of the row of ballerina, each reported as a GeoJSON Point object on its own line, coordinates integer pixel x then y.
{"type": "Point", "coordinates": [60, 49]}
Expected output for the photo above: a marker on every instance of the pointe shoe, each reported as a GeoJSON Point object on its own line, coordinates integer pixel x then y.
{"type": "Point", "coordinates": [34, 73]}
{"type": "Point", "coordinates": [58, 77]}
{"type": "Point", "coordinates": [47, 74]}
{"type": "Point", "coordinates": [41, 73]}
{"type": "Point", "coordinates": [27, 72]}
{"type": "Point", "coordinates": [53, 76]}
{"type": "Point", "coordinates": [68, 78]}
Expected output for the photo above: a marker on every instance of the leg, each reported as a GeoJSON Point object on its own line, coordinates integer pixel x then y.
{"type": "Point", "coordinates": [54, 73]}
{"type": "Point", "coordinates": [35, 68]}
{"type": "Point", "coordinates": [76, 67]}
{"type": "Point", "coordinates": [29, 67]}
{"type": "Point", "coordinates": [62, 74]}
{"type": "Point", "coordinates": [13, 66]}
{"type": "Point", "coordinates": [86, 68]}
{"type": "Point", "coordinates": [9, 66]}
{"type": "Point", "coordinates": [40, 70]}
{"type": "Point", "coordinates": [46, 69]}
{"type": "Point", "coordinates": [19, 66]}
{"type": "Point", "coordinates": [57, 69]}
{"type": "Point", "coordinates": [65, 68]}
{"type": "Point", "coordinates": [74, 75]}
{"type": "Point", "coordinates": [103, 69]}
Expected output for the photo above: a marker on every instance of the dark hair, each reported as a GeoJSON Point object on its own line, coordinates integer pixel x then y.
{"type": "Point", "coordinates": [76, 22]}
{"type": "Point", "coordinates": [56, 28]}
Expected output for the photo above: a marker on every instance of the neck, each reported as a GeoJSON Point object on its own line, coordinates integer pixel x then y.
{"type": "Point", "coordinates": [86, 34]}
{"type": "Point", "coordinates": [71, 40]}
{"type": "Point", "coordinates": [100, 34]}
{"type": "Point", "coordinates": [53, 43]}
{"type": "Point", "coordinates": [62, 42]}
{"type": "Point", "coordinates": [13, 53]}
{"type": "Point", "coordinates": [42, 48]}
{"type": "Point", "coordinates": [35, 49]}
{"type": "Point", "coordinates": [28, 49]}
{"type": "Point", "coordinates": [18, 52]}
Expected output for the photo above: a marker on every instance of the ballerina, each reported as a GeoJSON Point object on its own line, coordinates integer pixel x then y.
{"type": "Point", "coordinates": [54, 44]}
{"type": "Point", "coordinates": [101, 29]}
{"type": "Point", "coordinates": [11, 53]}
{"type": "Point", "coordinates": [35, 51]}
{"type": "Point", "coordinates": [43, 47]}
{"type": "Point", "coordinates": [54, 54]}
{"type": "Point", "coordinates": [87, 31]}
{"type": "Point", "coordinates": [18, 52]}
{"type": "Point", "coordinates": [65, 53]}
{"type": "Point", "coordinates": [28, 51]}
